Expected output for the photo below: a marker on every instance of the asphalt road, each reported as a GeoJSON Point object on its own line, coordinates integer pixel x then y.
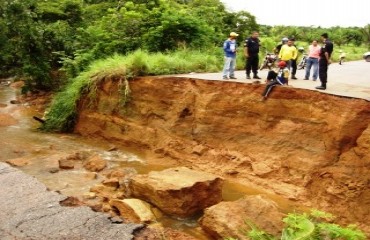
{"type": "Point", "coordinates": [351, 79]}
{"type": "Point", "coordinates": [29, 211]}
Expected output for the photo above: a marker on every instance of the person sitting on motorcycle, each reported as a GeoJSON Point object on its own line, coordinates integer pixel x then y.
{"type": "Point", "coordinates": [276, 78]}
{"type": "Point", "coordinates": [278, 47]}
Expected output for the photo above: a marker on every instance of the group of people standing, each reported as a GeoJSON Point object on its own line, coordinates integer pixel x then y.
{"type": "Point", "coordinates": [318, 59]}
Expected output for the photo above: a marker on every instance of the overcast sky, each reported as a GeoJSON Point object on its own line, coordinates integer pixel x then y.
{"type": "Point", "coordinates": [324, 13]}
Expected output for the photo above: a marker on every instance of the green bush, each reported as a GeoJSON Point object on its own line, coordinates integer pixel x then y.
{"type": "Point", "coordinates": [313, 226]}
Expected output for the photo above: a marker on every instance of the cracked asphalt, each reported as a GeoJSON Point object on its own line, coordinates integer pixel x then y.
{"type": "Point", "coordinates": [29, 211]}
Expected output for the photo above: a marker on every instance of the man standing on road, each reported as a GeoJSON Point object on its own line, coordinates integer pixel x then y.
{"type": "Point", "coordinates": [287, 53]}
{"type": "Point", "coordinates": [230, 56]}
{"type": "Point", "coordinates": [293, 62]}
{"type": "Point", "coordinates": [251, 50]}
{"type": "Point", "coordinates": [324, 61]}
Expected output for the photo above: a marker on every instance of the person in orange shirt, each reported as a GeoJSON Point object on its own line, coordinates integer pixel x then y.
{"type": "Point", "coordinates": [313, 60]}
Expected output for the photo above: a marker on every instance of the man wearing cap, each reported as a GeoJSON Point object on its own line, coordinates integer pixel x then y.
{"type": "Point", "coordinates": [251, 50]}
{"type": "Point", "coordinates": [277, 49]}
{"type": "Point", "coordinates": [230, 47]}
{"type": "Point", "coordinates": [324, 61]}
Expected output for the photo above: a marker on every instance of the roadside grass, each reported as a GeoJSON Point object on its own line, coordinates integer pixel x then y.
{"type": "Point", "coordinates": [62, 114]}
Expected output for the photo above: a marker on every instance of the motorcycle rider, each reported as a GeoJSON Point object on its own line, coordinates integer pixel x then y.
{"type": "Point", "coordinates": [277, 49]}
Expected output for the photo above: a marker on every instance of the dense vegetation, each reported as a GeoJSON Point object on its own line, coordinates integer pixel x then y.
{"type": "Point", "coordinates": [47, 42]}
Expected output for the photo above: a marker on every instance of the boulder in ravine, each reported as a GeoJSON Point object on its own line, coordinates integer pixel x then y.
{"type": "Point", "coordinates": [135, 210]}
{"type": "Point", "coordinates": [228, 219]}
{"type": "Point", "coordinates": [178, 191]}
{"type": "Point", "coordinates": [95, 163]}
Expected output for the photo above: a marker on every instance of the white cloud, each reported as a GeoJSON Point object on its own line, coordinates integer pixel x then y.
{"type": "Point", "coordinates": [305, 13]}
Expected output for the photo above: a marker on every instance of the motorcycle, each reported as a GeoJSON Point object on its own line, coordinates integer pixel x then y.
{"type": "Point", "coordinates": [302, 64]}
{"type": "Point", "coordinates": [269, 61]}
{"type": "Point", "coordinates": [342, 57]}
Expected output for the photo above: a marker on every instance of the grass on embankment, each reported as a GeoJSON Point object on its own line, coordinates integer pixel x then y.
{"type": "Point", "coordinates": [62, 114]}
{"type": "Point", "coordinates": [63, 111]}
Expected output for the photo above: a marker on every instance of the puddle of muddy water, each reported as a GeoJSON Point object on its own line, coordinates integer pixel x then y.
{"type": "Point", "coordinates": [45, 149]}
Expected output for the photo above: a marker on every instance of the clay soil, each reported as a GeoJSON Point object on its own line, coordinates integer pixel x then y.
{"type": "Point", "coordinates": [309, 147]}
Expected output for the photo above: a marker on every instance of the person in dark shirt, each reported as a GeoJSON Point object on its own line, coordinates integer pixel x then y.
{"type": "Point", "coordinates": [324, 61]}
{"type": "Point", "coordinates": [251, 50]}
{"type": "Point", "coordinates": [293, 62]}
{"type": "Point", "coordinates": [276, 78]}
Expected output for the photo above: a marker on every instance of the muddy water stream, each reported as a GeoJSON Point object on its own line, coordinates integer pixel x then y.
{"type": "Point", "coordinates": [23, 140]}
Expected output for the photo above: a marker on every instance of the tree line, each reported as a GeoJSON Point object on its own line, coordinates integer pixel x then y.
{"type": "Point", "coordinates": [46, 42]}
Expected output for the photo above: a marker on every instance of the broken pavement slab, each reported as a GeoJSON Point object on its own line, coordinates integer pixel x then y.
{"type": "Point", "coordinates": [180, 191]}
{"type": "Point", "coordinates": [29, 211]}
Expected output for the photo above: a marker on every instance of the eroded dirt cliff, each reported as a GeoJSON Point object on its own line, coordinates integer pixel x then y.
{"type": "Point", "coordinates": [303, 145]}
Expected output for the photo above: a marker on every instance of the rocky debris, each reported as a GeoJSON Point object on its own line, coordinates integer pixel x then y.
{"type": "Point", "coordinates": [82, 155]}
{"type": "Point", "coordinates": [285, 143]}
{"type": "Point", "coordinates": [158, 232]}
{"type": "Point", "coordinates": [17, 84]}
{"type": "Point", "coordinates": [95, 163]}
{"type": "Point", "coordinates": [66, 164]}
{"type": "Point", "coordinates": [29, 211]}
{"type": "Point", "coordinates": [15, 102]}
{"type": "Point", "coordinates": [228, 219]}
{"type": "Point", "coordinates": [71, 202]}
{"type": "Point", "coordinates": [90, 175]}
{"type": "Point", "coordinates": [199, 150]}
{"type": "Point", "coordinates": [104, 191]}
{"type": "Point", "coordinates": [7, 120]}
{"type": "Point", "coordinates": [111, 182]}
{"type": "Point", "coordinates": [135, 210]}
{"type": "Point", "coordinates": [178, 191]}
{"type": "Point", "coordinates": [120, 174]}
{"type": "Point", "coordinates": [18, 162]}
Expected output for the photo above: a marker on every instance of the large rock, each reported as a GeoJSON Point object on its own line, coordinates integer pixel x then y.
{"type": "Point", "coordinates": [178, 191]}
{"type": "Point", "coordinates": [228, 219]}
{"type": "Point", "coordinates": [135, 210]}
{"type": "Point", "coordinates": [95, 164]}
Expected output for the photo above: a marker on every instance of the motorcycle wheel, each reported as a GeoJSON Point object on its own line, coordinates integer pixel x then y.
{"type": "Point", "coordinates": [301, 65]}
{"type": "Point", "coordinates": [263, 65]}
